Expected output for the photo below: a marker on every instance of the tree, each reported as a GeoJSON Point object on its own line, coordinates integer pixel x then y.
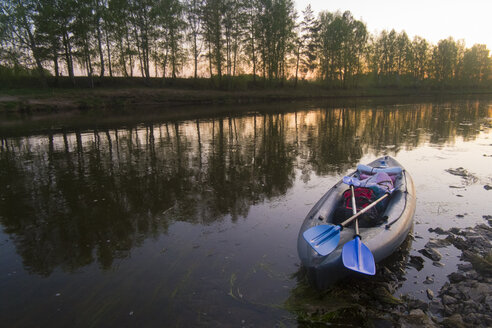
{"type": "Point", "coordinates": [277, 21]}
{"type": "Point", "coordinates": [66, 18]}
{"type": "Point", "coordinates": [387, 46]}
{"type": "Point", "coordinates": [10, 54]}
{"type": "Point", "coordinates": [143, 15]}
{"type": "Point", "coordinates": [252, 33]}
{"type": "Point", "coordinates": [477, 65]}
{"type": "Point", "coordinates": [193, 9]}
{"type": "Point", "coordinates": [326, 51]}
{"type": "Point", "coordinates": [419, 59]}
{"type": "Point", "coordinates": [120, 31]}
{"type": "Point", "coordinates": [106, 26]}
{"type": "Point", "coordinates": [98, 13]}
{"type": "Point", "coordinates": [170, 18]}
{"type": "Point", "coordinates": [445, 60]}
{"type": "Point", "coordinates": [48, 34]}
{"type": "Point", "coordinates": [358, 48]}
{"type": "Point", "coordinates": [402, 55]}
{"type": "Point", "coordinates": [298, 50]}
{"type": "Point", "coordinates": [234, 30]}
{"type": "Point", "coordinates": [308, 42]}
{"type": "Point", "coordinates": [19, 17]}
{"type": "Point", "coordinates": [84, 36]}
{"type": "Point", "coordinates": [212, 16]}
{"type": "Point", "coordinates": [54, 24]}
{"type": "Point", "coordinates": [343, 42]}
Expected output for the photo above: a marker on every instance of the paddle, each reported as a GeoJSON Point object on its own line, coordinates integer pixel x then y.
{"type": "Point", "coordinates": [324, 238]}
{"type": "Point", "coordinates": [355, 255]}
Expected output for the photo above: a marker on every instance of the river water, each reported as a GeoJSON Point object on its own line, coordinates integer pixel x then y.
{"type": "Point", "coordinates": [136, 221]}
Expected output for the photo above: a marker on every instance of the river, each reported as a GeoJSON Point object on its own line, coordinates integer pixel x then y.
{"type": "Point", "coordinates": [180, 222]}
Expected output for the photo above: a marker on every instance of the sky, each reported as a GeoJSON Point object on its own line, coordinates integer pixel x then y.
{"type": "Point", "coordinates": [433, 20]}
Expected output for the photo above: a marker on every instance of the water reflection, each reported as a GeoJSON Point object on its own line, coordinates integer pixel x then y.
{"type": "Point", "coordinates": [74, 197]}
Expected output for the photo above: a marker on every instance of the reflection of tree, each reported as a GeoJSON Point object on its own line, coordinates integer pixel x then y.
{"type": "Point", "coordinates": [410, 125]}
{"type": "Point", "coordinates": [243, 170]}
{"type": "Point", "coordinates": [75, 197]}
{"type": "Point", "coordinates": [332, 144]}
{"type": "Point", "coordinates": [72, 198]}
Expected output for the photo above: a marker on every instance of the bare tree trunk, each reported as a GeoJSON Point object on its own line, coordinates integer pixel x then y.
{"type": "Point", "coordinates": [228, 55]}
{"type": "Point", "coordinates": [210, 59]}
{"type": "Point", "coordinates": [55, 64]}
{"type": "Point", "coordinates": [145, 55]}
{"type": "Point", "coordinates": [68, 57]}
{"type": "Point", "coordinates": [109, 53]}
{"type": "Point", "coordinates": [139, 52]}
{"type": "Point", "coordinates": [89, 65]}
{"type": "Point", "coordinates": [35, 51]}
{"type": "Point", "coordinates": [130, 56]}
{"type": "Point", "coordinates": [164, 64]}
{"type": "Point", "coordinates": [234, 61]}
{"type": "Point", "coordinates": [100, 48]}
{"type": "Point", "coordinates": [122, 59]}
{"type": "Point", "coordinates": [253, 50]}
{"type": "Point", "coordinates": [195, 54]}
{"type": "Point", "coordinates": [297, 62]}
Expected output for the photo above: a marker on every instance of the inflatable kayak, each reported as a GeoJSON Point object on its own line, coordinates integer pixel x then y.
{"type": "Point", "coordinates": [330, 249]}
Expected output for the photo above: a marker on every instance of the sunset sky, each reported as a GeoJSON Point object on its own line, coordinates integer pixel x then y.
{"type": "Point", "coordinates": [433, 20]}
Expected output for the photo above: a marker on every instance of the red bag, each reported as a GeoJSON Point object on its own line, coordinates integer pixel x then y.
{"type": "Point", "coordinates": [363, 197]}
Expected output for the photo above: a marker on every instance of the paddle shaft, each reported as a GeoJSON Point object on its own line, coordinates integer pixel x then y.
{"type": "Point", "coordinates": [354, 210]}
{"type": "Point", "coordinates": [357, 240]}
{"type": "Point", "coordinates": [364, 210]}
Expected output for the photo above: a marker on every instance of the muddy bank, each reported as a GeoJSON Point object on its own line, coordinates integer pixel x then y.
{"type": "Point", "coordinates": [464, 301]}
{"type": "Point", "coordinates": [139, 98]}
{"type": "Point", "coordinates": [56, 100]}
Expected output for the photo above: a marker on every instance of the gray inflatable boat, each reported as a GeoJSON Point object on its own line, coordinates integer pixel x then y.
{"type": "Point", "coordinates": [382, 240]}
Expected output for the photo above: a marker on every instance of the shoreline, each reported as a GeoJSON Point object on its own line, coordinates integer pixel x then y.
{"type": "Point", "coordinates": [465, 300]}
{"type": "Point", "coordinates": [32, 101]}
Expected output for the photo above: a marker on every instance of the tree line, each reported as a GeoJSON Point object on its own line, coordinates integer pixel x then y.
{"type": "Point", "coordinates": [262, 40]}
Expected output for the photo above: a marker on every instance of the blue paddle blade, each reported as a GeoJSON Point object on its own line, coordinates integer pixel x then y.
{"type": "Point", "coordinates": [356, 256]}
{"type": "Point", "coordinates": [323, 238]}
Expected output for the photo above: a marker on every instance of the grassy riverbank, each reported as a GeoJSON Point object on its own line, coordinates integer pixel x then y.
{"type": "Point", "coordinates": [32, 100]}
